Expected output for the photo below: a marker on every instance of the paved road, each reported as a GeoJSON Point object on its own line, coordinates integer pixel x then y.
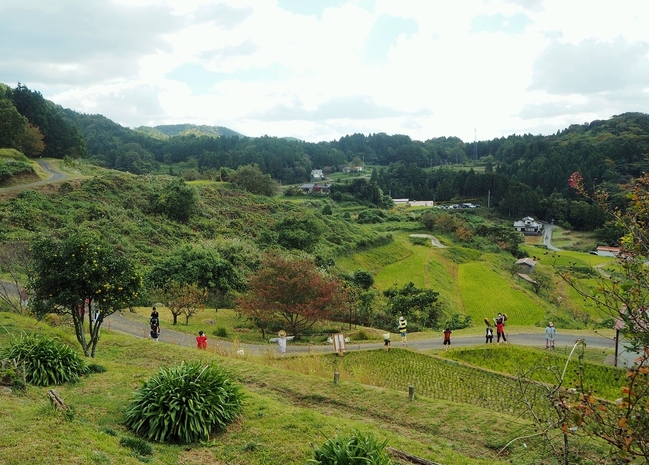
{"type": "Point", "coordinates": [53, 176]}
{"type": "Point", "coordinates": [547, 237]}
{"type": "Point", "coordinates": [120, 323]}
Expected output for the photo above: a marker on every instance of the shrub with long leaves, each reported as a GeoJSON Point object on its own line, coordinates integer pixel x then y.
{"type": "Point", "coordinates": [46, 361]}
{"type": "Point", "coordinates": [184, 404]}
{"type": "Point", "coordinates": [356, 449]}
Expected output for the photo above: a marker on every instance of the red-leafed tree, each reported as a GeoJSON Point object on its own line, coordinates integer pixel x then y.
{"type": "Point", "coordinates": [293, 291]}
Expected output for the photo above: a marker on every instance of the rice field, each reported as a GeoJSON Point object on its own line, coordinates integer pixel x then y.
{"type": "Point", "coordinates": [484, 293]}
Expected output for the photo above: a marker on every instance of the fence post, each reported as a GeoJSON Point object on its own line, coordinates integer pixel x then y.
{"type": "Point", "coordinates": [411, 392]}
{"type": "Point", "coordinates": [336, 377]}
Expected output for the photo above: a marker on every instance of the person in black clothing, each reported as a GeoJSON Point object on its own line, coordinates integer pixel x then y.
{"type": "Point", "coordinates": [489, 336]}
{"type": "Point", "coordinates": [155, 317]}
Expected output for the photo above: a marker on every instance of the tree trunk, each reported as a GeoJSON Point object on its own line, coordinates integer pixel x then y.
{"type": "Point", "coordinates": [56, 400]}
{"type": "Point", "coordinates": [409, 458]}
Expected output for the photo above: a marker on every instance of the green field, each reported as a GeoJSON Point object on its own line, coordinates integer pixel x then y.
{"type": "Point", "coordinates": [457, 415]}
{"type": "Point", "coordinates": [486, 293]}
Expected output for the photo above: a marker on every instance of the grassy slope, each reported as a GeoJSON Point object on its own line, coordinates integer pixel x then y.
{"type": "Point", "coordinates": [285, 411]}
{"type": "Point", "coordinates": [465, 279]}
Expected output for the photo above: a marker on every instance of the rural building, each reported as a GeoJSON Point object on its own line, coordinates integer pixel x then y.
{"type": "Point", "coordinates": [352, 169]}
{"type": "Point", "coordinates": [528, 225]}
{"type": "Point", "coordinates": [401, 201]}
{"type": "Point", "coordinates": [317, 174]}
{"type": "Point", "coordinates": [604, 251]}
{"type": "Point", "coordinates": [526, 265]}
{"type": "Point", "coordinates": [310, 187]}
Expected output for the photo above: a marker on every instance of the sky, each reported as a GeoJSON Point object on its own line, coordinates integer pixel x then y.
{"type": "Point", "coordinates": [318, 70]}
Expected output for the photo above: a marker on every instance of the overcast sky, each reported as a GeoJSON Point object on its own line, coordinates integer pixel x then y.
{"type": "Point", "coordinates": [320, 69]}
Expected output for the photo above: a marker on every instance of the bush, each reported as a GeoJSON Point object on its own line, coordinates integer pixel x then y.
{"type": "Point", "coordinates": [356, 449]}
{"type": "Point", "coordinates": [184, 404]}
{"type": "Point", "coordinates": [221, 331]}
{"type": "Point", "coordinates": [46, 362]}
{"type": "Point", "coordinates": [12, 375]}
{"type": "Point", "coordinates": [96, 368]}
{"type": "Point", "coordinates": [137, 445]}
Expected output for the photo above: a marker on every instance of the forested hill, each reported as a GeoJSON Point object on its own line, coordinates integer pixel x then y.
{"type": "Point", "coordinates": [171, 130]}
{"type": "Point", "coordinates": [520, 174]}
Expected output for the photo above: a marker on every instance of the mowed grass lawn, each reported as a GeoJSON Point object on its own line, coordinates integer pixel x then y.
{"type": "Point", "coordinates": [485, 294]}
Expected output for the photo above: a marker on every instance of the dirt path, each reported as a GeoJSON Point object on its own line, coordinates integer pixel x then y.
{"type": "Point", "coordinates": [433, 240]}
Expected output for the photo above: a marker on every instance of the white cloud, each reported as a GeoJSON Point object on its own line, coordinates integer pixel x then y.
{"type": "Point", "coordinates": [321, 70]}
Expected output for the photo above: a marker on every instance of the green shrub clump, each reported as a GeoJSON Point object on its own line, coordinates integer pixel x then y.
{"type": "Point", "coordinates": [46, 362]}
{"type": "Point", "coordinates": [184, 404]}
{"type": "Point", "coordinates": [355, 449]}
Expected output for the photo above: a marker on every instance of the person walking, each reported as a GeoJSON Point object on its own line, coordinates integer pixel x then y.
{"type": "Point", "coordinates": [155, 317]}
{"type": "Point", "coordinates": [155, 330]}
{"type": "Point", "coordinates": [402, 328]}
{"type": "Point", "coordinates": [447, 338]}
{"type": "Point", "coordinates": [550, 335]}
{"type": "Point", "coordinates": [201, 341]}
{"type": "Point", "coordinates": [489, 336]}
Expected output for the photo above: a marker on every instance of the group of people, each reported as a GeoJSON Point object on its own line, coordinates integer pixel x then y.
{"type": "Point", "coordinates": [499, 321]}
{"type": "Point", "coordinates": [402, 329]}
{"type": "Point", "coordinates": [154, 322]}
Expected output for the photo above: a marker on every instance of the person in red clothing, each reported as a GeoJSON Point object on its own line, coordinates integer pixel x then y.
{"type": "Point", "coordinates": [447, 338]}
{"type": "Point", "coordinates": [201, 340]}
{"type": "Point", "coordinates": [500, 328]}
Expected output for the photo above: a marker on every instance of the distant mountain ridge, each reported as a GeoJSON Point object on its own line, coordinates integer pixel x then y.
{"type": "Point", "coordinates": [170, 130]}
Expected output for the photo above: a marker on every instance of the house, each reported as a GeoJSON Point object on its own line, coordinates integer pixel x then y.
{"type": "Point", "coordinates": [317, 174]}
{"type": "Point", "coordinates": [310, 187]}
{"type": "Point", "coordinates": [322, 188]}
{"type": "Point", "coordinates": [352, 169]}
{"type": "Point", "coordinates": [604, 251]}
{"type": "Point", "coordinates": [528, 225]}
{"type": "Point", "coordinates": [526, 265]}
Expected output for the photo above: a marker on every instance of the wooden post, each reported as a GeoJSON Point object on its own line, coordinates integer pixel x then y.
{"type": "Point", "coordinates": [336, 377]}
{"type": "Point", "coordinates": [411, 392]}
{"type": "Point", "coordinates": [617, 338]}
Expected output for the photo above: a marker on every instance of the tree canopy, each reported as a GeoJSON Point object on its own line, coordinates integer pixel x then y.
{"type": "Point", "coordinates": [292, 291]}
{"type": "Point", "coordinates": [83, 277]}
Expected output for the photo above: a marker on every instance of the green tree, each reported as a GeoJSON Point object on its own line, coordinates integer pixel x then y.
{"type": "Point", "coordinates": [419, 306]}
{"type": "Point", "coordinates": [178, 200]}
{"type": "Point", "coordinates": [183, 299]}
{"type": "Point", "coordinates": [83, 277]}
{"type": "Point", "coordinates": [299, 232]}
{"type": "Point", "coordinates": [12, 125]}
{"type": "Point", "coordinates": [251, 179]}
{"type": "Point", "coordinates": [31, 143]}
{"type": "Point", "coordinates": [200, 265]}
{"type": "Point", "coordinates": [293, 291]}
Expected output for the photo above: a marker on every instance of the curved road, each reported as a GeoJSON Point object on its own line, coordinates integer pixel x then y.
{"type": "Point", "coordinates": [54, 175]}
{"type": "Point", "coordinates": [547, 237]}
{"type": "Point", "coordinates": [118, 322]}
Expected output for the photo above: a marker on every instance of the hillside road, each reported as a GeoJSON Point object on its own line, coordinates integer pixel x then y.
{"type": "Point", "coordinates": [564, 342]}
